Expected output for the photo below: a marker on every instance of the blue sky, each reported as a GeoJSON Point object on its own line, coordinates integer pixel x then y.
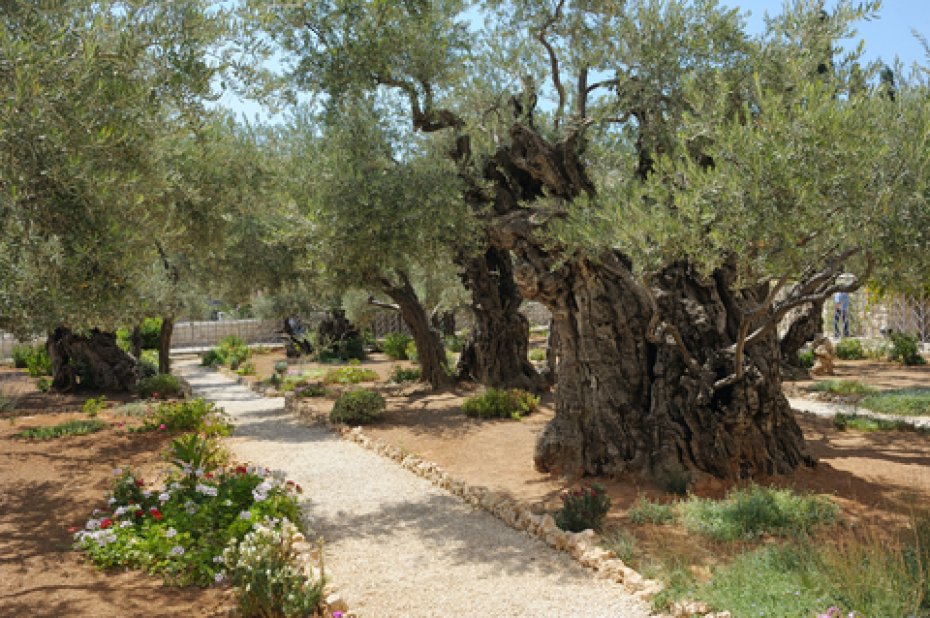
{"type": "Point", "coordinates": [887, 37]}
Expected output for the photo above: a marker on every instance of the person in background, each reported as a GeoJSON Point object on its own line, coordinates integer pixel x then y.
{"type": "Point", "coordinates": [841, 314]}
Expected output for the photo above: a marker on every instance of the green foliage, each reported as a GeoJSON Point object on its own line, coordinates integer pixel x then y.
{"type": "Point", "coordinates": [903, 402]}
{"type": "Point", "coordinates": [311, 390]}
{"type": "Point", "coordinates": [193, 451]}
{"type": "Point", "coordinates": [266, 569]}
{"type": "Point", "coordinates": [400, 374]}
{"type": "Point", "coordinates": [181, 530]}
{"type": "Point", "coordinates": [806, 359]}
{"type": "Point", "coordinates": [92, 407]}
{"type": "Point", "coordinates": [350, 375]}
{"type": "Point", "coordinates": [411, 351]}
{"type": "Point", "coordinates": [160, 385]}
{"type": "Point", "coordinates": [621, 543]}
{"type": "Point", "coordinates": [905, 349]}
{"type": "Point", "coordinates": [751, 512]}
{"type": "Point", "coordinates": [537, 355]}
{"type": "Point", "coordinates": [866, 423]}
{"type": "Point", "coordinates": [358, 407]}
{"type": "Point", "coordinates": [69, 428]}
{"type": "Point", "coordinates": [501, 403]}
{"type": "Point", "coordinates": [232, 352]}
{"type": "Point", "coordinates": [44, 384]}
{"type": "Point", "coordinates": [148, 363]}
{"type": "Point", "coordinates": [247, 369]}
{"type": "Point", "coordinates": [395, 345]}
{"type": "Point", "coordinates": [453, 343]}
{"type": "Point", "coordinates": [842, 387]}
{"type": "Point", "coordinates": [850, 349]}
{"type": "Point", "coordinates": [645, 511]}
{"type": "Point", "coordinates": [22, 353]}
{"type": "Point", "coordinates": [583, 508]}
{"type": "Point", "coordinates": [191, 415]}
{"type": "Point", "coordinates": [37, 361]}
{"type": "Point", "coordinates": [673, 478]}
{"type": "Point", "coordinates": [213, 358]}
{"type": "Point", "coordinates": [149, 333]}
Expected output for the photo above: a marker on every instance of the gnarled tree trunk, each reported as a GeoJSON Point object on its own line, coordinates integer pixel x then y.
{"type": "Point", "coordinates": [94, 361]}
{"type": "Point", "coordinates": [164, 344]}
{"type": "Point", "coordinates": [806, 326]}
{"type": "Point", "coordinates": [496, 352]}
{"type": "Point", "coordinates": [430, 351]}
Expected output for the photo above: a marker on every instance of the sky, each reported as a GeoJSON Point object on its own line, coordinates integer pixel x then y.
{"type": "Point", "coordinates": [886, 37]}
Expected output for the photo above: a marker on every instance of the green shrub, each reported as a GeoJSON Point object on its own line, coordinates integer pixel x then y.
{"type": "Point", "coordinates": [405, 374]}
{"type": "Point", "coordinates": [357, 407]}
{"type": "Point", "coordinates": [232, 352]}
{"type": "Point", "coordinates": [902, 402]}
{"type": "Point", "coordinates": [673, 478]}
{"type": "Point", "coordinates": [160, 385]}
{"type": "Point", "coordinates": [850, 349]}
{"type": "Point", "coordinates": [501, 403]}
{"type": "Point", "coordinates": [905, 349]}
{"type": "Point", "coordinates": [213, 358]}
{"type": "Point", "coordinates": [866, 423]}
{"type": "Point", "coordinates": [150, 330]}
{"type": "Point", "coordinates": [247, 369]}
{"type": "Point", "coordinates": [70, 428]}
{"type": "Point", "coordinates": [583, 508]}
{"type": "Point", "coordinates": [754, 511]}
{"type": "Point", "coordinates": [453, 343]}
{"type": "Point", "coordinates": [645, 511]}
{"type": "Point", "coordinates": [395, 345]}
{"type": "Point", "coordinates": [842, 387]}
{"type": "Point", "coordinates": [93, 407]}
{"type": "Point", "coordinates": [806, 359]}
{"type": "Point", "coordinates": [21, 355]}
{"type": "Point", "coordinates": [38, 363]}
{"type": "Point", "coordinates": [266, 569]}
{"type": "Point", "coordinates": [148, 363]}
{"type": "Point", "coordinates": [350, 375]}
{"type": "Point", "coordinates": [411, 351]}
{"type": "Point", "coordinates": [537, 355]}
{"type": "Point", "coordinates": [192, 451]}
{"type": "Point", "coordinates": [192, 415]}
{"type": "Point", "coordinates": [44, 384]}
{"type": "Point", "coordinates": [311, 390]}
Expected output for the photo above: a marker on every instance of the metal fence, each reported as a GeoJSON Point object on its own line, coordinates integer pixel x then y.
{"type": "Point", "coordinates": [873, 318]}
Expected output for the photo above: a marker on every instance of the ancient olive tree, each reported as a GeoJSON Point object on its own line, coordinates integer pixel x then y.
{"type": "Point", "coordinates": [380, 206]}
{"type": "Point", "coordinates": [667, 185]}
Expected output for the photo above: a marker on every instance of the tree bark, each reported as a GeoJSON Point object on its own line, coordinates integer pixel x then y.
{"type": "Point", "coordinates": [135, 342]}
{"type": "Point", "coordinates": [552, 353]}
{"type": "Point", "coordinates": [496, 352]}
{"type": "Point", "coordinates": [430, 350]}
{"type": "Point", "coordinates": [91, 362]}
{"type": "Point", "coordinates": [164, 344]}
{"type": "Point", "coordinates": [807, 326]}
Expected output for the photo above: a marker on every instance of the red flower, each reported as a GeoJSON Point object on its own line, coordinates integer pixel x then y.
{"type": "Point", "coordinates": [139, 482]}
{"type": "Point", "coordinates": [242, 470]}
{"type": "Point", "coordinates": [298, 488]}
{"type": "Point", "coordinates": [140, 513]}
{"type": "Point", "coordinates": [72, 529]}
{"type": "Point", "coordinates": [155, 513]}
{"type": "Point", "coordinates": [106, 522]}
{"type": "Point", "coordinates": [209, 475]}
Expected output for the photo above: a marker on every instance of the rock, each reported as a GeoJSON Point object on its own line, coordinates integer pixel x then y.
{"type": "Point", "coordinates": [632, 580]}
{"type": "Point", "coordinates": [824, 354]}
{"type": "Point", "coordinates": [335, 603]}
{"type": "Point", "coordinates": [547, 524]}
{"type": "Point", "coordinates": [689, 607]}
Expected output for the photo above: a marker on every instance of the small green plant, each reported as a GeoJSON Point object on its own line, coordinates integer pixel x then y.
{"type": "Point", "coordinates": [751, 512]}
{"type": "Point", "coordinates": [395, 345]}
{"type": "Point", "coordinates": [21, 354]}
{"type": "Point", "coordinates": [192, 415]}
{"type": "Point", "coordinates": [232, 352]}
{"type": "Point", "coordinates": [866, 423]}
{"type": "Point", "coordinates": [583, 508]}
{"type": "Point", "coordinates": [159, 386]}
{"type": "Point", "coordinates": [644, 511]}
{"type": "Point", "coordinates": [358, 407]}
{"type": "Point", "coordinates": [39, 364]}
{"type": "Point", "coordinates": [400, 374]}
{"type": "Point", "coordinates": [905, 349]}
{"type": "Point", "coordinates": [44, 384]}
{"type": "Point", "coordinates": [71, 428]}
{"type": "Point", "coordinates": [280, 367]}
{"type": "Point", "coordinates": [901, 402]}
{"type": "Point", "coordinates": [806, 359]}
{"type": "Point", "coordinates": [621, 543]}
{"type": "Point", "coordinates": [537, 355]}
{"type": "Point", "coordinates": [311, 390]}
{"type": "Point", "coordinates": [845, 388]}
{"type": "Point", "coordinates": [350, 375]}
{"type": "Point", "coordinates": [266, 569]}
{"type": "Point", "coordinates": [93, 407]}
{"type": "Point", "coordinates": [850, 349]}
{"type": "Point", "coordinates": [246, 369]}
{"type": "Point", "coordinates": [453, 343]}
{"type": "Point", "coordinates": [194, 452]}
{"type": "Point", "coordinates": [213, 358]}
{"type": "Point", "coordinates": [411, 352]}
{"type": "Point", "coordinates": [501, 403]}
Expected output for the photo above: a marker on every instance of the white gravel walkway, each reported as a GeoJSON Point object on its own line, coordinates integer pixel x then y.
{"type": "Point", "coordinates": [395, 544]}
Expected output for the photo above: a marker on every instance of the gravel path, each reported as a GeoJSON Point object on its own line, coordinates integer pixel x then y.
{"type": "Point", "coordinates": [395, 544]}
{"type": "Point", "coordinates": [828, 410]}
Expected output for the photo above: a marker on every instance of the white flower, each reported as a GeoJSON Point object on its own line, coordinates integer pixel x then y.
{"type": "Point", "coordinates": [175, 485]}
{"type": "Point", "coordinates": [92, 524]}
{"type": "Point", "coordinates": [171, 532]}
{"type": "Point", "coordinates": [117, 471]}
{"type": "Point", "coordinates": [147, 494]}
{"type": "Point", "coordinates": [125, 524]}
{"type": "Point", "coordinates": [198, 472]}
{"type": "Point", "coordinates": [164, 497]}
{"type": "Point", "coordinates": [245, 515]}
{"type": "Point", "coordinates": [177, 550]}
{"type": "Point", "coordinates": [219, 577]}
{"type": "Point", "coordinates": [217, 559]}
{"type": "Point", "coordinates": [111, 501]}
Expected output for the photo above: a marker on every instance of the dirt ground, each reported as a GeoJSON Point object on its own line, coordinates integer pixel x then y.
{"type": "Point", "coordinates": [52, 486]}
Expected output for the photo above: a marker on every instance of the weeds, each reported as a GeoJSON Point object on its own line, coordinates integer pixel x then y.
{"type": "Point", "coordinates": [80, 427]}
{"type": "Point", "coordinates": [902, 402]}
{"type": "Point", "coordinates": [644, 511]}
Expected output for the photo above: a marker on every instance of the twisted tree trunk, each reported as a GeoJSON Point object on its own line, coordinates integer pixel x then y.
{"type": "Point", "coordinates": [806, 326]}
{"type": "Point", "coordinates": [430, 351]}
{"type": "Point", "coordinates": [164, 344]}
{"type": "Point", "coordinates": [94, 361]}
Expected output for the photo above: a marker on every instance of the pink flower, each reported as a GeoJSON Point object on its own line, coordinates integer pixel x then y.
{"type": "Point", "coordinates": [105, 523]}
{"type": "Point", "coordinates": [162, 427]}
{"type": "Point", "coordinates": [155, 395]}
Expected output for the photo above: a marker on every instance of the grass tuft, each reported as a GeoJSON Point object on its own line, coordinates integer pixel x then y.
{"type": "Point", "coordinates": [901, 402]}
{"type": "Point", "coordinates": [70, 428]}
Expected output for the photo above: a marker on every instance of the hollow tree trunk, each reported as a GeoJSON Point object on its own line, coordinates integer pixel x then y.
{"type": "Point", "coordinates": [164, 344]}
{"type": "Point", "coordinates": [552, 352]}
{"type": "Point", "coordinates": [430, 351]}
{"type": "Point", "coordinates": [94, 361]}
{"type": "Point", "coordinates": [807, 326]}
{"type": "Point", "coordinates": [135, 342]}
{"type": "Point", "coordinates": [496, 352]}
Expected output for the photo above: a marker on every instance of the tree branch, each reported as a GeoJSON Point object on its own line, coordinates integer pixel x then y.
{"type": "Point", "coordinates": [554, 61]}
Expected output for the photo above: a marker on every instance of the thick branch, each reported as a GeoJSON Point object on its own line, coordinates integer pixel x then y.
{"type": "Point", "coordinates": [554, 61]}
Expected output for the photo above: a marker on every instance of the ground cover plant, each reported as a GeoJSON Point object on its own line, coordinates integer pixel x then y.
{"type": "Point", "coordinates": [160, 385]}
{"type": "Point", "coordinates": [850, 349]}
{"type": "Point", "coordinates": [395, 345]}
{"type": "Point", "coordinates": [404, 374]}
{"type": "Point", "coordinates": [582, 509]}
{"type": "Point", "coordinates": [646, 511]}
{"type": "Point", "coordinates": [501, 403]}
{"type": "Point", "coordinates": [905, 349]}
{"type": "Point", "coordinates": [352, 374]}
{"type": "Point", "coordinates": [189, 415]}
{"type": "Point", "coordinates": [842, 387]}
{"type": "Point", "coordinates": [358, 407]}
{"type": "Point", "coordinates": [231, 352]}
{"type": "Point", "coordinates": [902, 402]}
{"type": "Point", "coordinates": [867, 423]}
{"type": "Point", "coordinates": [80, 427]}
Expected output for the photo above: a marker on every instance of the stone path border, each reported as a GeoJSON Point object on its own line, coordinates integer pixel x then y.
{"type": "Point", "coordinates": [827, 409]}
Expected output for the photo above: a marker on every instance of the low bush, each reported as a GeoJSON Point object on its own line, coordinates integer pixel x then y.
{"type": "Point", "coordinates": [311, 390]}
{"type": "Point", "coordinates": [537, 355]}
{"type": "Point", "coordinates": [80, 427]}
{"type": "Point", "coordinates": [395, 345]}
{"type": "Point", "coordinates": [44, 384]}
{"type": "Point", "coordinates": [866, 423]}
{"type": "Point", "coordinates": [842, 387]}
{"type": "Point", "coordinates": [192, 415]}
{"type": "Point", "coordinates": [806, 359]}
{"type": "Point", "coordinates": [644, 511]}
{"type": "Point", "coordinates": [400, 374]}
{"type": "Point", "coordinates": [850, 349]}
{"type": "Point", "coordinates": [751, 512]}
{"type": "Point", "coordinates": [148, 363]}
{"type": "Point", "coordinates": [902, 402]}
{"type": "Point", "coordinates": [583, 509]}
{"type": "Point", "coordinates": [411, 352]}
{"type": "Point", "coordinates": [905, 349]}
{"type": "Point", "coordinates": [246, 369]}
{"type": "Point", "coordinates": [501, 403]}
{"type": "Point", "coordinates": [92, 407]}
{"type": "Point", "coordinates": [352, 374]}
{"type": "Point", "coordinates": [357, 407]}
{"type": "Point", "coordinates": [192, 452]}
{"type": "Point", "coordinates": [21, 354]}
{"type": "Point", "coordinates": [232, 352]}
{"type": "Point", "coordinates": [159, 385]}
{"type": "Point", "coordinates": [38, 363]}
